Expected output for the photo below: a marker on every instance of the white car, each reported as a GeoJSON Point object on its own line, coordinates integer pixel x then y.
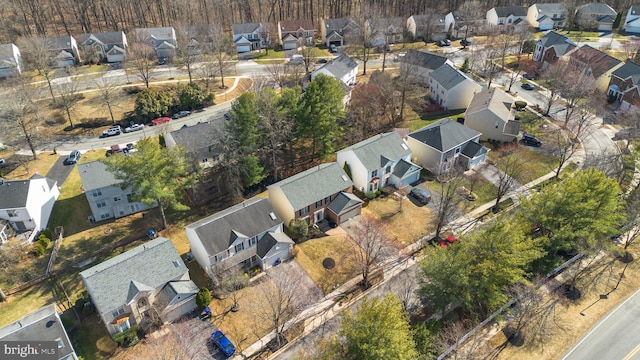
{"type": "Point", "coordinates": [112, 131]}
{"type": "Point", "coordinates": [134, 127]}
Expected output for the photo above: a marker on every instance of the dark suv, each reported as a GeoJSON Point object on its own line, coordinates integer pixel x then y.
{"type": "Point", "coordinates": [73, 158]}
{"type": "Point", "coordinates": [531, 140]}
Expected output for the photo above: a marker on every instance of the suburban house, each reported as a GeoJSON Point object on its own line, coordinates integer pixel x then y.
{"type": "Point", "coordinates": [109, 46]}
{"type": "Point", "coordinates": [385, 31]}
{"type": "Point", "coordinates": [6, 231]}
{"type": "Point", "coordinates": [106, 199]}
{"type": "Point", "coordinates": [632, 21]}
{"type": "Point", "coordinates": [379, 161]}
{"type": "Point", "coordinates": [508, 18]}
{"type": "Point", "coordinates": [200, 37]}
{"type": "Point", "coordinates": [464, 27]}
{"type": "Point", "coordinates": [551, 47]}
{"type": "Point", "coordinates": [162, 39]}
{"type": "Point", "coordinates": [336, 31]}
{"type": "Point", "coordinates": [245, 235]}
{"type": "Point", "coordinates": [322, 192]}
{"type": "Point", "coordinates": [596, 63]}
{"type": "Point", "coordinates": [147, 285]}
{"type": "Point", "coordinates": [65, 50]}
{"type": "Point", "coordinates": [41, 325]}
{"type": "Point", "coordinates": [450, 88]}
{"type": "Point", "coordinates": [445, 143]}
{"type": "Point", "coordinates": [623, 86]}
{"type": "Point", "coordinates": [595, 16]}
{"type": "Point", "coordinates": [547, 16]}
{"type": "Point", "coordinates": [421, 63]}
{"type": "Point", "coordinates": [10, 61]}
{"type": "Point", "coordinates": [296, 33]}
{"type": "Point", "coordinates": [342, 68]}
{"type": "Point", "coordinates": [251, 36]}
{"type": "Point", "coordinates": [200, 141]}
{"type": "Point", "coordinates": [432, 27]}
{"type": "Point", "coordinates": [27, 204]}
{"type": "Point", "coordinates": [491, 112]}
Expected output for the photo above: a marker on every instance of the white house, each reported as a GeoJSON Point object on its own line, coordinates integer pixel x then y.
{"type": "Point", "coordinates": [110, 46]}
{"type": "Point", "coordinates": [10, 61]}
{"type": "Point", "coordinates": [246, 235]}
{"type": "Point", "coordinates": [27, 204]}
{"type": "Point", "coordinates": [547, 16]}
{"type": "Point", "coordinates": [508, 17]}
{"type": "Point", "coordinates": [148, 285]}
{"type": "Point", "coordinates": [491, 112]}
{"type": "Point", "coordinates": [419, 64]}
{"type": "Point", "coordinates": [106, 199]}
{"type": "Point", "coordinates": [385, 31]}
{"type": "Point", "coordinates": [551, 47]}
{"type": "Point", "coordinates": [65, 49]}
{"type": "Point", "coordinates": [379, 161]}
{"type": "Point", "coordinates": [432, 27]}
{"type": "Point", "coordinates": [632, 21]}
{"type": "Point", "coordinates": [342, 68]}
{"type": "Point", "coordinates": [444, 144]}
{"type": "Point", "coordinates": [451, 88]}
{"type": "Point", "coordinates": [251, 36]}
{"type": "Point", "coordinates": [162, 39]}
{"type": "Point", "coordinates": [595, 16]}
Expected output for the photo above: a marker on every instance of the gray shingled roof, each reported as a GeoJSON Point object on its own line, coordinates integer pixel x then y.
{"type": "Point", "coordinates": [198, 136]}
{"type": "Point", "coordinates": [94, 175]}
{"type": "Point", "coordinates": [504, 11]}
{"type": "Point", "coordinates": [294, 25]}
{"type": "Point", "coordinates": [473, 149]}
{"type": "Point", "coordinates": [596, 8]}
{"type": "Point", "coordinates": [14, 193]}
{"type": "Point", "coordinates": [314, 184]}
{"type": "Point", "coordinates": [271, 239]}
{"type": "Point", "coordinates": [561, 43]}
{"type": "Point", "coordinates": [336, 25]}
{"type": "Point", "coordinates": [340, 66]}
{"type": "Point", "coordinates": [153, 264]}
{"type": "Point", "coordinates": [628, 69]}
{"type": "Point", "coordinates": [404, 167]}
{"type": "Point", "coordinates": [635, 9]}
{"type": "Point", "coordinates": [157, 33]}
{"type": "Point", "coordinates": [550, 9]}
{"type": "Point", "coordinates": [6, 51]}
{"type": "Point", "coordinates": [423, 20]}
{"type": "Point", "coordinates": [57, 43]}
{"type": "Point", "coordinates": [424, 59]}
{"type": "Point", "coordinates": [495, 100]}
{"type": "Point", "coordinates": [389, 145]}
{"type": "Point", "coordinates": [245, 28]}
{"type": "Point", "coordinates": [444, 135]}
{"type": "Point", "coordinates": [344, 201]}
{"type": "Point", "coordinates": [43, 324]}
{"type": "Point", "coordinates": [448, 76]}
{"type": "Point", "coordinates": [107, 38]}
{"type": "Point", "coordinates": [250, 218]}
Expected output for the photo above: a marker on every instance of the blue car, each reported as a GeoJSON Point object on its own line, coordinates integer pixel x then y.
{"type": "Point", "coordinates": [223, 343]}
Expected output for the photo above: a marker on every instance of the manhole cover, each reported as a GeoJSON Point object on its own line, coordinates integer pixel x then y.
{"type": "Point", "coordinates": [328, 263]}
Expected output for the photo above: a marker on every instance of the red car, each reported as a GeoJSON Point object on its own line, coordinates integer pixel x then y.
{"type": "Point", "coordinates": [160, 120]}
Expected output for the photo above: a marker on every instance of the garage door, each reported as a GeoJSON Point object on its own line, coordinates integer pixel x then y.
{"type": "Point", "coordinates": [349, 214]}
{"type": "Point", "coordinates": [289, 45]}
{"type": "Point", "coordinates": [413, 178]}
{"type": "Point", "coordinates": [115, 58]}
{"type": "Point", "coordinates": [244, 48]}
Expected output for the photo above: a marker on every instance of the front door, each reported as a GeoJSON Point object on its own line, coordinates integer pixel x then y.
{"type": "Point", "coordinates": [20, 226]}
{"type": "Point", "coordinates": [318, 216]}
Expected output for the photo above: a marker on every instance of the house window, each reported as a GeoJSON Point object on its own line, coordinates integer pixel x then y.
{"type": "Point", "coordinates": [101, 203]}
{"type": "Point", "coordinates": [387, 169]}
{"type": "Point", "coordinates": [60, 343]}
{"type": "Point", "coordinates": [318, 204]}
{"type": "Point", "coordinates": [105, 216]}
{"type": "Point", "coordinates": [239, 247]}
{"type": "Point", "coordinates": [118, 311]}
{"type": "Point", "coordinates": [12, 213]}
{"type": "Point", "coordinates": [374, 173]}
{"type": "Point", "coordinates": [116, 198]}
{"type": "Point", "coordinates": [254, 240]}
{"type": "Point", "coordinates": [633, 96]}
{"type": "Point", "coordinates": [327, 200]}
{"type": "Point", "coordinates": [457, 150]}
{"type": "Point", "coordinates": [304, 211]}
{"type": "Point", "coordinates": [96, 193]}
{"type": "Point", "coordinates": [510, 21]}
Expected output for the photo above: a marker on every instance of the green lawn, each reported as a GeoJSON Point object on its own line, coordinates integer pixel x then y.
{"type": "Point", "coordinates": [426, 119]}
{"type": "Point", "coordinates": [537, 163]}
{"type": "Point", "coordinates": [484, 190]}
{"type": "Point", "coordinates": [531, 123]}
{"type": "Point", "coordinates": [25, 302]}
{"type": "Point", "coordinates": [272, 54]}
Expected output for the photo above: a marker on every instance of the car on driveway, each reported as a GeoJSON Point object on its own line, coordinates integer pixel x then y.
{"type": "Point", "coordinates": [160, 120]}
{"type": "Point", "coordinates": [3, 163]}
{"type": "Point", "coordinates": [73, 158]}
{"type": "Point", "coordinates": [223, 343]}
{"type": "Point", "coordinates": [333, 48]}
{"type": "Point", "coordinates": [445, 42]}
{"type": "Point", "coordinates": [527, 86]}
{"type": "Point", "coordinates": [421, 194]}
{"type": "Point", "coordinates": [134, 127]}
{"type": "Point", "coordinates": [228, 117]}
{"type": "Point", "coordinates": [181, 114]}
{"type": "Point", "coordinates": [322, 61]}
{"type": "Point", "coordinates": [465, 42]}
{"type": "Point", "coordinates": [112, 131]}
{"type": "Point", "coordinates": [531, 140]}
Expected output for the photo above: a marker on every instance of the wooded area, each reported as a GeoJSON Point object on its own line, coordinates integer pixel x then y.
{"type": "Point", "coordinates": [74, 17]}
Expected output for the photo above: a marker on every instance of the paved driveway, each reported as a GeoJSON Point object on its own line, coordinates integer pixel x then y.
{"type": "Point", "coordinates": [59, 172]}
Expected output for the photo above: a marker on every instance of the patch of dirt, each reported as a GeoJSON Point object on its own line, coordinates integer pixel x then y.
{"type": "Point", "coordinates": [328, 263]}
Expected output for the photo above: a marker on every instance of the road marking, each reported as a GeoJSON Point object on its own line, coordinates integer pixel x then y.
{"type": "Point", "coordinates": [584, 338]}
{"type": "Point", "coordinates": [632, 353]}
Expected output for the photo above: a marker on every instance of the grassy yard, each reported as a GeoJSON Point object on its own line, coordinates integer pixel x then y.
{"type": "Point", "coordinates": [537, 163]}
{"type": "Point", "coordinates": [531, 122]}
{"type": "Point", "coordinates": [271, 54]}
{"type": "Point", "coordinates": [426, 119]}
{"type": "Point", "coordinates": [339, 248]}
{"type": "Point", "coordinates": [25, 302]}
{"type": "Point", "coordinates": [92, 341]}
{"type": "Point", "coordinates": [484, 190]}
{"type": "Point", "coordinates": [28, 168]}
{"type": "Point", "coordinates": [403, 226]}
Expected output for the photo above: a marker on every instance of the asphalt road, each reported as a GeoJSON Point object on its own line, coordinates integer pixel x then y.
{"type": "Point", "coordinates": [615, 337]}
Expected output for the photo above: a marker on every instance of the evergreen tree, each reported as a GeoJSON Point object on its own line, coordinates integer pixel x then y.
{"type": "Point", "coordinates": [151, 103]}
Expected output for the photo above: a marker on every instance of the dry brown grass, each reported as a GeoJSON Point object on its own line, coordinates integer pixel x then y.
{"type": "Point", "coordinates": [27, 169]}
{"type": "Point", "coordinates": [402, 227]}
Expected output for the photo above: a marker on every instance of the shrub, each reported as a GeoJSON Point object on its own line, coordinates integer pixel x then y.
{"type": "Point", "coordinates": [38, 249]}
{"type": "Point", "coordinates": [520, 105]}
{"type": "Point", "coordinates": [370, 195]}
{"type": "Point", "coordinates": [44, 240]}
{"type": "Point", "coordinates": [128, 337]}
{"type": "Point", "coordinates": [203, 298]}
{"type": "Point", "coordinates": [298, 228]}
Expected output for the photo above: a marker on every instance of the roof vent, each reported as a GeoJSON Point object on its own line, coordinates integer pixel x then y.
{"type": "Point", "coordinates": [345, 178]}
{"type": "Point", "coordinates": [272, 215]}
{"type": "Point", "coordinates": [404, 146]}
{"type": "Point", "coordinates": [176, 263]}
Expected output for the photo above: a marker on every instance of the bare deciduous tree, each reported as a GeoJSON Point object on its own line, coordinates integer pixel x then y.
{"type": "Point", "coordinates": [140, 60]}
{"type": "Point", "coordinates": [509, 167]}
{"type": "Point", "coordinates": [449, 181]}
{"type": "Point", "coordinates": [371, 246]}
{"type": "Point", "coordinates": [68, 95]}
{"type": "Point", "coordinates": [361, 39]}
{"type": "Point", "coordinates": [220, 48]}
{"type": "Point", "coordinates": [188, 48]}
{"type": "Point", "coordinates": [309, 54]}
{"type": "Point", "coordinates": [37, 55]}
{"type": "Point", "coordinates": [108, 93]}
{"type": "Point", "coordinates": [274, 125]}
{"type": "Point", "coordinates": [563, 148]}
{"type": "Point", "coordinates": [553, 74]}
{"type": "Point", "coordinates": [19, 109]}
{"type": "Point", "coordinates": [473, 348]}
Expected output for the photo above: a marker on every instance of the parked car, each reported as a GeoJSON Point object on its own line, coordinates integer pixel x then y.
{"type": "Point", "coordinates": [181, 114]}
{"type": "Point", "coordinates": [527, 86]}
{"type": "Point", "coordinates": [112, 131]}
{"type": "Point", "coordinates": [134, 127]}
{"type": "Point", "coordinates": [465, 42]}
{"type": "Point", "coordinates": [531, 140]}
{"type": "Point", "coordinates": [333, 48]}
{"type": "Point", "coordinates": [421, 194]}
{"type": "Point", "coordinates": [73, 158]}
{"type": "Point", "coordinates": [221, 341]}
{"type": "Point", "coordinates": [162, 61]}
{"type": "Point", "coordinates": [3, 163]}
{"type": "Point", "coordinates": [160, 120]}
{"type": "Point", "coordinates": [322, 61]}
{"type": "Point", "coordinates": [445, 42]}
{"type": "Point", "coordinates": [296, 59]}
{"type": "Point", "coordinates": [227, 117]}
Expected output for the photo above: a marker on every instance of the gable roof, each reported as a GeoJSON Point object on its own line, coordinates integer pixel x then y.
{"type": "Point", "coordinates": [106, 38]}
{"type": "Point", "coordinates": [562, 44]}
{"type": "Point", "coordinates": [428, 19]}
{"type": "Point", "coordinates": [494, 100]}
{"type": "Point", "coordinates": [424, 59]}
{"type": "Point", "coordinates": [552, 8]}
{"type": "Point", "coordinates": [269, 240]}
{"type": "Point", "coordinates": [597, 8]}
{"type": "Point", "coordinates": [473, 149]}
{"type": "Point", "coordinates": [245, 28]}
{"type": "Point", "coordinates": [325, 180]}
{"type": "Point", "coordinates": [377, 24]}
{"type": "Point", "coordinates": [193, 31]}
{"type": "Point", "coordinates": [444, 135]}
{"type": "Point", "coordinates": [404, 167]}
{"type": "Point", "coordinates": [599, 61]}
{"type": "Point", "coordinates": [627, 70]}
{"type": "Point", "coordinates": [337, 24]}
{"type": "Point", "coordinates": [448, 76]}
{"type": "Point", "coordinates": [340, 66]}
{"type": "Point", "coordinates": [43, 324]}
{"type": "Point", "coordinates": [94, 175]}
{"type": "Point", "coordinates": [505, 11]}
{"type": "Point", "coordinates": [634, 10]}
{"type": "Point", "coordinates": [198, 136]}
{"type": "Point", "coordinates": [150, 265]}
{"type": "Point", "coordinates": [248, 219]}
{"type": "Point", "coordinates": [6, 50]}
{"type": "Point", "coordinates": [61, 42]}
{"type": "Point", "coordinates": [344, 201]}
{"type": "Point", "coordinates": [14, 193]}
{"type": "Point", "coordinates": [157, 33]}
{"type": "Point", "coordinates": [376, 151]}
{"type": "Point", "coordinates": [294, 25]}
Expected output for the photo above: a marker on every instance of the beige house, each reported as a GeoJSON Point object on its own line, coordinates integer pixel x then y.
{"type": "Point", "coordinates": [491, 112]}
{"type": "Point", "coordinates": [451, 88]}
{"type": "Point", "coordinates": [593, 62]}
